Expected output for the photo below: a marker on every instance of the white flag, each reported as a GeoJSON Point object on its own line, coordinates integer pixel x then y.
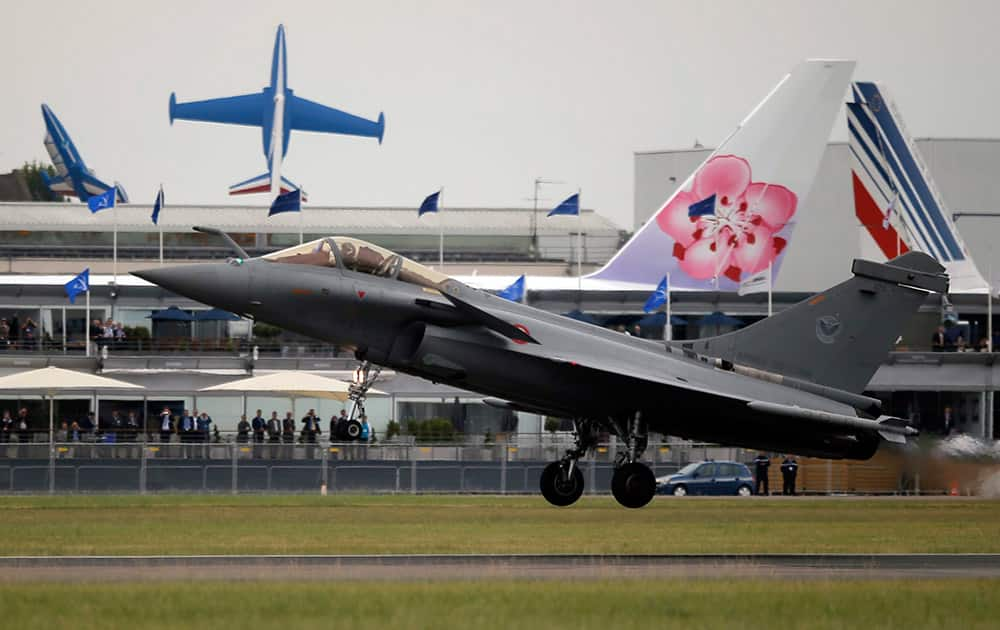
{"type": "Point", "coordinates": [888, 212]}
{"type": "Point", "coordinates": [757, 283]}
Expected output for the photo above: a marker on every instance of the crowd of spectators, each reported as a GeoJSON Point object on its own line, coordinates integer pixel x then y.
{"type": "Point", "coordinates": [15, 334]}
{"type": "Point", "coordinates": [951, 339]}
{"type": "Point", "coordinates": [107, 333]}
{"type": "Point", "coordinates": [187, 428]}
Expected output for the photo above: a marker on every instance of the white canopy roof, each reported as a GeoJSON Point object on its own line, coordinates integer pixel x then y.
{"type": "Point", "coordinates": [301, 384]}
{"type": "Point", "coordinates": [53, 380]}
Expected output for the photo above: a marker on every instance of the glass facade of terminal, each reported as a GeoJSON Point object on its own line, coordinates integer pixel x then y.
{"type": "Point", "coordinates": [99, 244]}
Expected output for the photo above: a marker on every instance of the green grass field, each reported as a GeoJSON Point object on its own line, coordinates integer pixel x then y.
{"type": "Point", "coordinates": [108, 525]}
{"type": "Point", "coordinates": [908, 604]}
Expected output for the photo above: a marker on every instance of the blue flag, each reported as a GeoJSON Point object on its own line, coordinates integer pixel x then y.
{"type": "Point", "coordinates": [658, 297]}
{"type": "Point", "coordinates": [515, 292]}
{"type": "Point", "coordinates": [286, 202]}
{"type": "Point", "coordinates": [703, 207]}
{"type": "Point", "coordinates": [430, 204]}
{"type": "Point", "coordinates": [78, 285]}
{"type": "Point", "coordinates": [570, 206]}
{"type": "Point", "coordinates": [157, 206]}
{"type": "Point", "coordinates": [103, 201]}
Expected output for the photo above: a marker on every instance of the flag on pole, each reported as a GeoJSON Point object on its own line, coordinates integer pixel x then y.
{"type": "Point", "coordinates": [889, 210]}
{"type": "Point", "coordinates": [103, 201]}
{"type": "Point", "coordinates": [286, 202]}
{"type": "Point", "coordinates": [658, 298]}
{"type": "Point", "coordinates": [515, 292]}
{"type": "Point", "coordinates": [703, 207]}
{"type": "Point", "coordinates": [756, 283]}
{"type": "Point", "coordinates": [570, 206]}
{"type": "Point", "coordinates": [430, 204]}
{"type": "Point", "coordinates": [78, 285]}
{"type": "Point", "coordinates": [157, 206]}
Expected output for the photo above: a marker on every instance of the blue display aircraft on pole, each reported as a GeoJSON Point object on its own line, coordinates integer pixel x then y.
{"type": "Point", "coordinates": [276, 110]}
{"type": "Point", "coordinates": [73, 178]}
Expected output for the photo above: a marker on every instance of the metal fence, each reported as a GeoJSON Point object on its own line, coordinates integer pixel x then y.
{"type": "Point", "coordinates": [513, 466]}
{"type": "Point", "coordinates": [235, 467]}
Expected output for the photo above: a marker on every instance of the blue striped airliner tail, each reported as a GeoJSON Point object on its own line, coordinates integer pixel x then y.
{"type": "Point", "coordinates": [897, 205]}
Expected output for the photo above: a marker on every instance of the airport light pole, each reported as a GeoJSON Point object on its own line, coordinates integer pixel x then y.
{"type": "Point", "coordinates": [539, 181]}
{"type": "Point", "coordinates": [955, 216]}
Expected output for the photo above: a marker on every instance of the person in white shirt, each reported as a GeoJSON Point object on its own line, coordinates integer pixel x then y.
{"type": "Point", "coordinates": [166, 425]}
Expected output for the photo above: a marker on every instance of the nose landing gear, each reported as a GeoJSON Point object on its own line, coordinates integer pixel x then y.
{"type": "Point", "coordinates": [364, 377]}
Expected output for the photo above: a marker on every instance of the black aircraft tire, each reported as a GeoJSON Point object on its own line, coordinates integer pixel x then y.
{"type": "Point", "coordinates": [556, 490]}
{"type": "Point", "coordinates": [633, 485]}
{"type": "Point", "coordinates": [353, 430]}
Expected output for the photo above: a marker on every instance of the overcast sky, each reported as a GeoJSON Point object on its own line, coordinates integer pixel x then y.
{"type": "Point", "coordinates": [479, 97]}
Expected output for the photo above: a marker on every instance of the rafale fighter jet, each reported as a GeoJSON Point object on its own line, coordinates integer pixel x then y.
{"type": "Point", "coordinates": [790, 383]}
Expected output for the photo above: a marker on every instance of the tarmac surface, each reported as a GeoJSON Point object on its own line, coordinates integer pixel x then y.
{"type": "Point", "coordinates": [473, 567]}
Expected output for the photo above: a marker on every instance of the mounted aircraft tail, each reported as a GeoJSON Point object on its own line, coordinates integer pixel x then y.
{"type": "Point", "coordinates": [734, 216]}
{"type": "Point", "coordinates": [262, 183]}
{"type": "Point", "coordinates": [895, 200]}
{"type": "Point", "coordinates": [837, 338]}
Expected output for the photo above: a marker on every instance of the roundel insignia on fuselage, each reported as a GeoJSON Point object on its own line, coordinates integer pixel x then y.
{"type": "Point", "coordinates": [827, 328]}
{"type": "Point", "coordinates": [523, 329]}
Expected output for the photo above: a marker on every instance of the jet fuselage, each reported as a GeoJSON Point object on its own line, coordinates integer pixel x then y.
{"type": "Point", "coordinates": [417, 330]}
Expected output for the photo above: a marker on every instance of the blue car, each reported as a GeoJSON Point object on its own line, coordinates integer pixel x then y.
{"type": "Point", "coordinates": [711, 478]}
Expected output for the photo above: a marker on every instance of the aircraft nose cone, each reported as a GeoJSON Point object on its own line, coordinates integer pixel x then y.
{"type": "Point", "coordinates": [217, 284]}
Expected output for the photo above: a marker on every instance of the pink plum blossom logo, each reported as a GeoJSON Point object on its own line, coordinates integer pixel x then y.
{"type": "Point", "coordinates": [726, 225]}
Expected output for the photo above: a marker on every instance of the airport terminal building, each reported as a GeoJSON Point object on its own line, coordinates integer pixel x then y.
{"type": "Point", "coordinates": [175, 352]}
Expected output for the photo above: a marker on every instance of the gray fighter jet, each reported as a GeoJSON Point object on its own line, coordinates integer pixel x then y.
{"type": "Point", "coordinates": [789, 383]}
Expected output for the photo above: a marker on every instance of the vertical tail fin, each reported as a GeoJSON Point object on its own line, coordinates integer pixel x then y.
{"type": "Point", "coordinates": [735, 214]}
{"type": "Point", "coordinates": [837, 338]}
{"type": "Point", "coordinates": [895, 200]}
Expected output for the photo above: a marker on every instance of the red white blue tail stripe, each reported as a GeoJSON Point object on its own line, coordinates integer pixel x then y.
{"type": "Point", "coordinates": [262, 183]}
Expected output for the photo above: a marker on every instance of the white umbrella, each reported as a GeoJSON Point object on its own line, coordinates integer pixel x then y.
{"type": "Point", "coordinates": [50, 381]}
{"type": "Point", "coordinates": [293, 383]}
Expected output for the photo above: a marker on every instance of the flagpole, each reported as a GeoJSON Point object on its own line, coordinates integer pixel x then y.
{"type": "Point", "coordinates": [440, 230]}
{"type": "Point", "coordinates": [114, 245]}
{"type": "Point", "coordinates": [668, 332]}
{"type": "Point", "coordinates": [159, 226]}
{"type": "Point", "coordinates": [770, 286]}
{"type": "Point", "coordinates": [300, 217]}
{"type": "Point", "coordinates": [579, 242]}
{"type": "Point", "coordinates": [86, 328]}
{"type": "Point", "coordinates": [989, 306]}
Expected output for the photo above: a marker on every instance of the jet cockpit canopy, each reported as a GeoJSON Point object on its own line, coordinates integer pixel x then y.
{"type": "Point", "coordinates": [360, 256]}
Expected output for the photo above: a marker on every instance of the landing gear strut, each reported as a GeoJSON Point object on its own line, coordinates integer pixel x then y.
{"type": "Point", "coordinates": [633, 483]}
{"type": "Point", "coordinates": [562, 481]}
{"type": "Point", "coordinates": [364, 377]}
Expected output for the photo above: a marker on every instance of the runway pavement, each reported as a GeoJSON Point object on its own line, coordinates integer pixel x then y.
{"type": "Point", "coordinates": [470, 567]}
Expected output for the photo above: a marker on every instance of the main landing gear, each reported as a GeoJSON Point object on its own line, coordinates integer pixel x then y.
{"type": "Point", "coordinates": [632, 484]}
{"type": "Point", "coordinates": [562, 481]}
